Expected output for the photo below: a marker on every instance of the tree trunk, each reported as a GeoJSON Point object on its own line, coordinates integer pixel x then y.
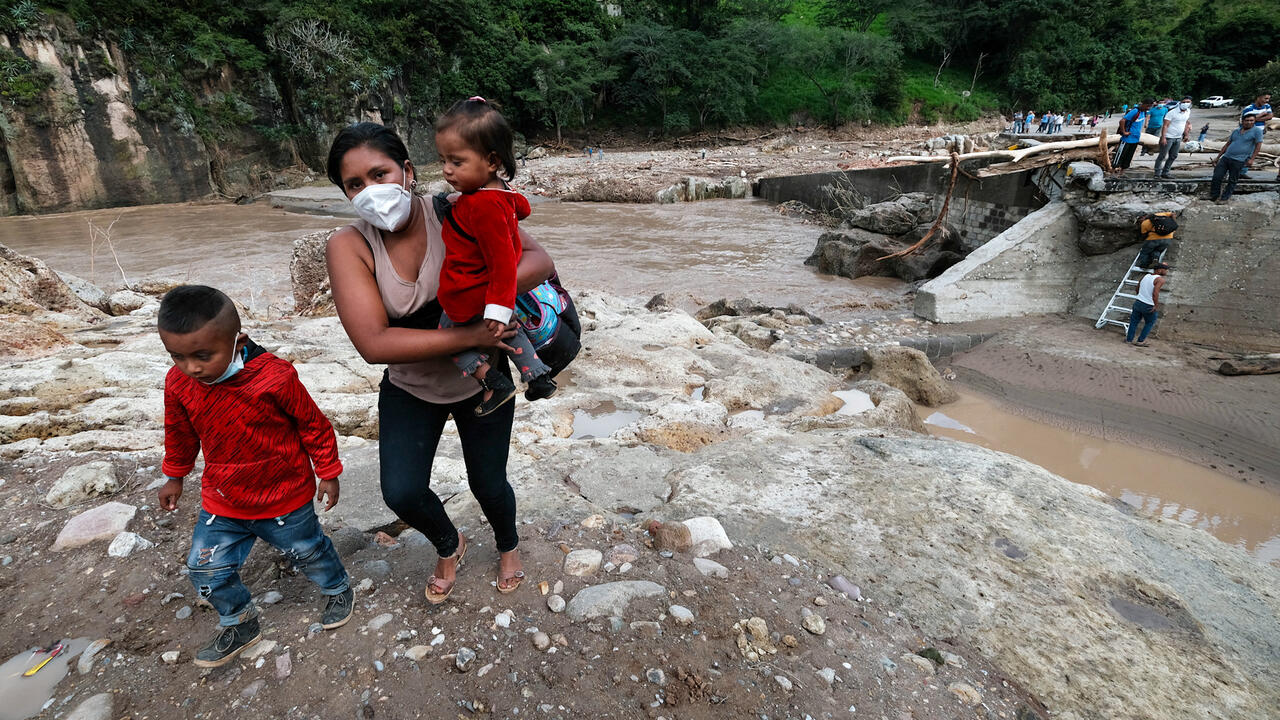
{"type": "Point", "coordinates": [977, 70]}
{"type": "Point", "coordinates": [946, 58]}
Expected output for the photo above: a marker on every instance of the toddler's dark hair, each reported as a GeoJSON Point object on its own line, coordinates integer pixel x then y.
{"type": "Point", "coordinates": [480, 125]}
{"type": "Point", "coordinates": [188, 308]}
{"type": "Point", "coordinates": [379, 137]}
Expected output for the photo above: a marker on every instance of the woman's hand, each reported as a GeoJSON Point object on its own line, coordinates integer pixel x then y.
{"type": "Point", "coordinates": [482, 337]}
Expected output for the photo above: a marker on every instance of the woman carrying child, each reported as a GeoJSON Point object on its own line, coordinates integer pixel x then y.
{"type": "Point", "coordinates": [385, 273]}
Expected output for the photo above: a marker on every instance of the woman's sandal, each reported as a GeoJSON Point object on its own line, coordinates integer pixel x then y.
{"type": "Point", "coordinates": [518, 576]}
{"type": "Point", "coordinates": [502, 391]}
{"type": "Point", "coordinates": [436, 598]}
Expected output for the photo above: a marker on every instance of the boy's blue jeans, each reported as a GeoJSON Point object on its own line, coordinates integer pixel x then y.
{"type": "Point", "coordinates": [219, 546]}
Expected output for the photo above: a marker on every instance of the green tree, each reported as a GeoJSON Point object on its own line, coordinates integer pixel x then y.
{"type": "Point", "coordinates": [564, 79]}
{"type": "Point", "coordinates": [723, 88]}
{"type": "Point", "coordinates": [838, 63]}
{"type": "Point", "coordinates": [653, 66]}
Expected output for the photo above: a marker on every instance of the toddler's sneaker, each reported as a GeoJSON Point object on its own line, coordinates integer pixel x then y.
{"type": "Point", "coordinates": [540, 388]}
{"type": "Point", "coordinates": [337, 611]}
{"type": "Point", "coordinates": [228, 643]}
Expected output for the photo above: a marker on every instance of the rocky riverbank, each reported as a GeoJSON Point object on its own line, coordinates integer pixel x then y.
{"type": "Point", "coordinates": [1056, 600]}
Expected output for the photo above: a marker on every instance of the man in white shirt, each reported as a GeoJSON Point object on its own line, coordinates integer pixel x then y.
{"type": "Point", "coordinates": [1176, 130]}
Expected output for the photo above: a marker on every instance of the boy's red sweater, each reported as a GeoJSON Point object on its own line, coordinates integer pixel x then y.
{"type": "Point", "coordinates": [260, 432]}
{"type": "Point", "coordinates": [481, 272]}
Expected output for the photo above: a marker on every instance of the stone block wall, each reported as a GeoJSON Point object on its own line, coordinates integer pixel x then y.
{"type": "Point", "coordinates": [979, 220]}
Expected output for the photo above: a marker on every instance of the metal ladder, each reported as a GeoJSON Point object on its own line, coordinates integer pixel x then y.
{"type": "Point", "coordinates": [1122, 292]}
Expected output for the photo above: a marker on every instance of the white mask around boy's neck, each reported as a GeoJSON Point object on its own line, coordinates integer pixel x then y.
{"type": "Point", "coordinates": [233, 367]}
{"type": "Point", "coordinates": [385, 206]}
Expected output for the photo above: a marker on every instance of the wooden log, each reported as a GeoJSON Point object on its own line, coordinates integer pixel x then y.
{"type": "Point", "coordinates": [1012, 155]}
{"type": "Point", "coordinates": [1104, 155]}
{"type": "Point", "coordinates": [1251, 365]}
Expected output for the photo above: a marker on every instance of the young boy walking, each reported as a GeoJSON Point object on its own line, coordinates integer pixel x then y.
{"type": "Point", "coordinates": [261, 434]}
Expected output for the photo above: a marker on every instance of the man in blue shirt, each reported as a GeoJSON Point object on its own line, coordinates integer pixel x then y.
{"type": "Point", "coordinates": [1235, 156]}
{"type": "Point", "coordinates": [1261, 110]}
{"type": "Point", "coordinates": [1155, 120]}
{"type": "Point", "coordinates": [1131, 134]}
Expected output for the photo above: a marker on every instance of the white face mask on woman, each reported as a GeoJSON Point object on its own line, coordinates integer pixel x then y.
{"type": "Point", "coordinates": [384, 205]}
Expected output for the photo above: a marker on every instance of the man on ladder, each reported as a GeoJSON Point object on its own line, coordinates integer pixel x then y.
{"type": "Point", "coordinates": [1144, 307]}
{"type": "Point", "coordinates": [1156, 231]}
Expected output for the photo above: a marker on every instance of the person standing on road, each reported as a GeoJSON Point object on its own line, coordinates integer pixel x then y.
{"type": "Point", "coordinates": [1175, 131]}
{"type": "Point", "coordinates": [1017, 122]}
{"type": "Point", "coordinates": [1235, 157]}
{"type": "Point", "coordinates": [1030, 123]}
{"type": "Point", "coordinates": [1145, 308]}
{"type": "Point", "coordinates": [1155, 121]}
{"type": "Point", "coordinates": [1130, 135]}
{"type": "Point", "coordinates": [1261, 110]}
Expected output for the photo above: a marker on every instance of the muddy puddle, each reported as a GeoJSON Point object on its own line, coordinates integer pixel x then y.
{"type": "Point", "coordinates": [22, 696]}
{"type": "Point", "coordinates": [1156, 483]}
{"type": "Point", "coordinates": [695, 253]}
{"type": "Point", "coordinates": [601, 421]}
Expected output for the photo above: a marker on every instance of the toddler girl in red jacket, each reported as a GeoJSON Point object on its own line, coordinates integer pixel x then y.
{"type": "Point", "coordinates": [482, 246]}
{"type": "Point", "coordinates": [264, 442]}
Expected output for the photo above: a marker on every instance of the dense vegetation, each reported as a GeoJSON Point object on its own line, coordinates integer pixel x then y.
{"type": "Point", "coordinates": [292, 67]}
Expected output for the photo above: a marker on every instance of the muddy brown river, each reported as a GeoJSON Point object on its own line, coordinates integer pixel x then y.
{"type": "Point", "coordinates": [694, 253]}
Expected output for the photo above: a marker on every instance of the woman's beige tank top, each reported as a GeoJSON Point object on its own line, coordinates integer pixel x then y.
{"type": "Point", "coordinates": [435, 380]}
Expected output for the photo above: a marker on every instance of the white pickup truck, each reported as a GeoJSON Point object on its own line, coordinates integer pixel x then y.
{"type": "Point", "coordinates": [1216, 101]}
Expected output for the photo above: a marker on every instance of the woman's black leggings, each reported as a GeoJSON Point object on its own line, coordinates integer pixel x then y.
{"type": "Point", "coordinates": [409, 432]}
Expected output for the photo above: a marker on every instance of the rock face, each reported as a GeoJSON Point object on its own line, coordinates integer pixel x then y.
{"type": "Point", "coordinates": [1110, 224]}
{"type": "Point", "coordinates": [910, 371]}
{"type": "Point", "coordinates": [96, 707]}
{"type": "Point", "coordinates": [88, 147]}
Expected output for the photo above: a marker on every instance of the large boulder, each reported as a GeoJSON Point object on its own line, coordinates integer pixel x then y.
{"type": "Point", "coordinates": [886, 218]}
{"type": "Point", "coordinates": [82, 482]}
{"type": "Point", "coordinates": [89, 294]}
{"type": "Point", "coordinates": [857, 253]}
{"type": "Point", "coordinates": [744, 307]}
{"type": "Point", "coordinates": [28, 286]}
{"type": "Point", "coordinates": [310, 275]}
{"type": "Point", "coordinates": [910, 371]}
{"type": "Point", "coordinates": [104, 522]}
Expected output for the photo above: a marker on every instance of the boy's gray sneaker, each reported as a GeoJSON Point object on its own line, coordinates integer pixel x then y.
{"type": "Point", "coordinates": [228, 643]}
{"type": "Point", "coordinates": [337, 611]}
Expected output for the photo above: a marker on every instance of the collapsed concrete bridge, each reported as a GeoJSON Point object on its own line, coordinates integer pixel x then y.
{"type": "Point", "coordinates": [1054, 240]}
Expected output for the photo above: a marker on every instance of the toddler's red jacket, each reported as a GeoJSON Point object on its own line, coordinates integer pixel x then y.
{"type": "Point", "coordinates": [479, 273]}
{"type": "Point", "coordinates": [260, 432]}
